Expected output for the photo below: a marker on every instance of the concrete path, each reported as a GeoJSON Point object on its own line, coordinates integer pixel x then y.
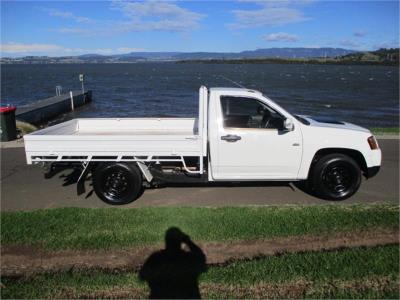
{"type": "Point", "coordinates": [24, 188]}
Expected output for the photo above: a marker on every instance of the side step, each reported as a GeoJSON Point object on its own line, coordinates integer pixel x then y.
{"type": "Point", "coordinates": [173, 178]}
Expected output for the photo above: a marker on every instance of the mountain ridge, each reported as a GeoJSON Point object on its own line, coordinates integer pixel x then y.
{"type": "Point", "coordinates": [299, 52]}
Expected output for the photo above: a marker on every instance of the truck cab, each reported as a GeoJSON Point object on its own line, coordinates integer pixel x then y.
{"type": "Point", "coordinates": [251, 137]}
{"type": "Point", "coordinates": [239, 135]}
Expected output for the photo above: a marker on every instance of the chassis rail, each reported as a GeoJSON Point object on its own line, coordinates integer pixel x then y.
{"type": "Point", "coordinates": [85, 160]}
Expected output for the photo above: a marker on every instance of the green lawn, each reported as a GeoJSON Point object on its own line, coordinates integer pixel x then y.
{"type": "Point", "coordinates": [84, 228]}
{"type": "Point", "coordinates": [386, 130]}
{"type": "Point", "coordinates": [347, 273]}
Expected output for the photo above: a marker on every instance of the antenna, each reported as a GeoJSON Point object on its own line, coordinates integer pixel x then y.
{"type": "Point", "coordinates": [234, 82]}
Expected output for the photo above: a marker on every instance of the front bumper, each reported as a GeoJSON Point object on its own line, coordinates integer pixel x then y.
{"type": "Point", "coordinates": [372, 171]}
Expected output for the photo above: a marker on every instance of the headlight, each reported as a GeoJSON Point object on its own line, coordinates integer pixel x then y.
{"type": "Point", "coordinates": [373, 143]}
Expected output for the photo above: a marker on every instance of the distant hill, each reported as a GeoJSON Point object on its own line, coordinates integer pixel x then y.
{"type": "Point", "coordinates": [296, 52]}
{"type": "Point", "coordinates": [88, 56]}
{"type": "Point", "coordinates": [381, 55]}
{"type": "Point", "coordinates": [151, 55]}
{"type": "Point", "coordinates": [132, 57]}
{"type": "Point", "coordinates": [387, 57]}
{"type": "Point", "coordinates": [259, 53]}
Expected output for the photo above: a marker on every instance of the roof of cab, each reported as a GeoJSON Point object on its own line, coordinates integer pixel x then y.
{"type": "Point", "coordinates": [232, 89]}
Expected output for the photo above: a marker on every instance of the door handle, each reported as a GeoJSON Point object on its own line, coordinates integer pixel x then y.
{"type": "Point", "coordinates": [231, 138]}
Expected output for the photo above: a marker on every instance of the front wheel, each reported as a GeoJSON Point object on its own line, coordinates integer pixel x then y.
{"type": "Point", "coordinates": [336, 177]}
{"type": "Point", "coordinates": [117, 183]}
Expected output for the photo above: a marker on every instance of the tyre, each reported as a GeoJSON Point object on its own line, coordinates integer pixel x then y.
{"type": "Point", "coordinates": [117, 183]}
{"type": "Point", "coordinates": [336, 177]}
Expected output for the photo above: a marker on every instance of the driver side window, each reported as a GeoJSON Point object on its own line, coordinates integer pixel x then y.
{"type": "Point", "coordinates": [242, 112]}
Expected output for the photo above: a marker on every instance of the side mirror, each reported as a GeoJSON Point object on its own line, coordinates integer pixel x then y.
{"type": "Point", "coordinates": [288, 125]}
{"type": "Point", "coordinates": [284, 125]}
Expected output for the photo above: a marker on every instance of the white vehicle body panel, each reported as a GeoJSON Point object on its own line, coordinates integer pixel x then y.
{"type": "Point", "coordinates": [347, 136]}
{"type": "Point", "coordinates": [138, 140]}
{"type": "Point", "coordinates": [260, 154]}
{"type": "Point", "coordinates": [116, 137]}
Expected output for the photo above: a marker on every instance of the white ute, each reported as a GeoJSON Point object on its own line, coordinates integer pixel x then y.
{"type": "Point", "coordinates": [240, 135]}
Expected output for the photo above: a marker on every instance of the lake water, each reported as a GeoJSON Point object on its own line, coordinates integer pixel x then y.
{"type": "Point", "coordinates": [365, 95]}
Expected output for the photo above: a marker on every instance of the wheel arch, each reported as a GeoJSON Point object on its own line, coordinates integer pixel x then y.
{"type": "Point", "coordinates": [144, 171]}
{"type": "Point", "coordinates": [354, 154]}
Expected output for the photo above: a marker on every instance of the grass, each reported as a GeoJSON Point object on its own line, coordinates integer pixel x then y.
{"type": "Point", "coordinates": [347, 273]}
{"type": "Point", "coordinates": [385, 130]}
{"type": "Point", "coordinates": [84, 228]}
{"type": "Point", "coordinates": [25, 128]}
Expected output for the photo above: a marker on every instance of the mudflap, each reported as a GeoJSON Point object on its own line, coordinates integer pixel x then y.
{"type": "Point", "coordinates": [82, 169]}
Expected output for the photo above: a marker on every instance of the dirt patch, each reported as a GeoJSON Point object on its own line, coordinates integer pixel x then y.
{"type": "Point", "coordinates": [218, 253]}
{"type": "Point", "coordinates": [20, 261]}
{"type": "Point", "coordinates": [300, 288]}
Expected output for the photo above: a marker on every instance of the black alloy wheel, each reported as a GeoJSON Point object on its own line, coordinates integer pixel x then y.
{"type": "Point", "coordinates": [336, 177]}
{"type": "Point", "coordinates": [117, 183]}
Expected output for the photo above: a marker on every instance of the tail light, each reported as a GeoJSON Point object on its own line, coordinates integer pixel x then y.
{"type": "Point", "coordinates": [373, 143]}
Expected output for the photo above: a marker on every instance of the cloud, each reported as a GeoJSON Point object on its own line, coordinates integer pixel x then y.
{"type": "Point", "coordinates": [359, 33]}
{"type": "Point", "coordinates": [68, 15]}
{"type": "Point", "coordinates": [25, 48]}
{"type": "Point", "coordinates": [136, 16]}
{"type": "Point", "coordinates": [386, 44]}
{"type": "Point", "coordinates": [279, 2]}
{"type": "Point", "coordinates": [103, 51]}
{"type": "Point", "coordinates": [269, 13]}
{"type": "Point", "coordinates": [349, 43]}
{"type": "Point", "coordinates": [128, 49]}
{"type": "Point", "coordinates": [281, 37]}
{"type": "Point", "coordinates": [73, 30]}
{"type": "Point", "coordinates": [156, 15]}
{"type": "Point", "coordinates": [266, 17]}
{"type": "Point", "coordinates": [52, 49]}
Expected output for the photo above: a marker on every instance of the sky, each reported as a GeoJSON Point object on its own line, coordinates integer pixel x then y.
{"type": "Point", "coordinates": [57, 28]}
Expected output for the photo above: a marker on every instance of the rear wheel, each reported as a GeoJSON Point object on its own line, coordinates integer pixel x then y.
{"type": "Point", "coordinates": [336, 177]}
{"type": "Point", "coordinates": [117, 183]}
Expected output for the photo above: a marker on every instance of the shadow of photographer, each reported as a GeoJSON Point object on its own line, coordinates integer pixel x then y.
{"type": "Point", "coordinates": [173, 273]}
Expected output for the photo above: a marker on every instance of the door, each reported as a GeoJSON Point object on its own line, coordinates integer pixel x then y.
{"type": "Point", "coordinates": [251, 144]}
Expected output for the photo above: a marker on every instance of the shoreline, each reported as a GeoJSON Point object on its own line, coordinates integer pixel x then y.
{"type": "Point", "coordinates": [260, 61]}
{"type": "Point", "coordinates": [277, 61]}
